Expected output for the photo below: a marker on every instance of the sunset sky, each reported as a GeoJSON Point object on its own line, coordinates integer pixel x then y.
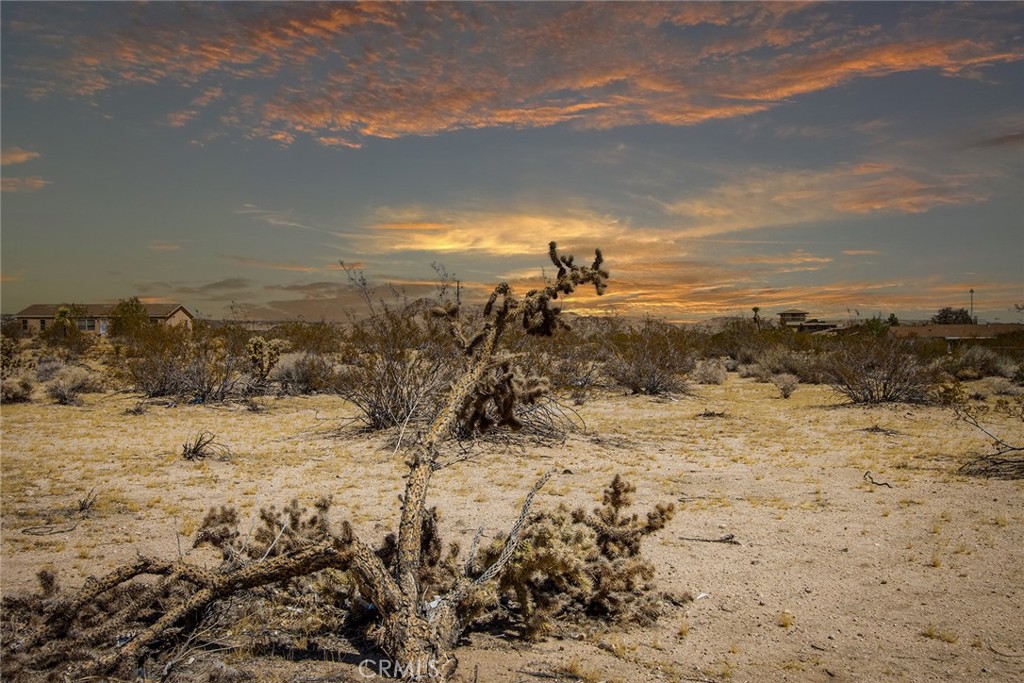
{"type": "Point", "coordinates": [841, 158]}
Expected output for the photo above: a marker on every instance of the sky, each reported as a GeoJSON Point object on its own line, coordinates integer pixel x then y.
{"type": "Point", "coordinates": [847, 159]}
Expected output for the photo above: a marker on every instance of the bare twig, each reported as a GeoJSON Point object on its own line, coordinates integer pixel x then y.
{"type": "Point", "coordinates": [868, 478]}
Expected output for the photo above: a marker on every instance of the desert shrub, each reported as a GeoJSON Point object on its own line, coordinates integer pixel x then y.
{"type": "Point", "coordinates": [976, 362]}
{"type": "Point", "coordinates": [69, 383]}
{"type": "Point", "coordinates": [397, 363]}
{"type": "Point", "coordinates": [878, 370]}
{"type": "Point", "coordinates": [786, 384]}
{"type": "Point", "coordinates": [319, 338]}
{"type": "Point", "coordinates": [200, 364]}
{"type": "Point", "coordinates": [779, 360]}
{"type": "Point", "coordinates": [154, 359]}
{"type": "Point", "coordinates": [652, 358]}
{"type": "Point", "coordinates": [63, 336]}
{"type": "Point", "coordinates": [10, 356]}
{"type": "Point", "coordinates": [752, 370]}
{"type": "Point", "coordinates": [710, 371]}
{"type": "Point", "coordinates": [16, 389]}
{"type": "Point", "coordinates": [572, 360]}
{"type": "Point", "coordinates": [47, 368]}
{"type": "Point", "coordinates": [128, 318]}
{"type": "Point", "coordinates": [307, 373]}
{"type": "Point", "coordinates": [263, 355]}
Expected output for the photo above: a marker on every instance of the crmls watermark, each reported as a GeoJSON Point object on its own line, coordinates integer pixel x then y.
{"type": "Point", "coordinates": [385, 668]}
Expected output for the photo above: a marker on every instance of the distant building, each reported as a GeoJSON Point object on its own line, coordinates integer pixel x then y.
{"type": "Point", "coordinates": [38, 317]}
{"type": "Point", "coordinates": [797, 320]}
{"type": "Point", "coordinates": [957, 333]}
{"type": "Point", "coordinates": [792, 318]}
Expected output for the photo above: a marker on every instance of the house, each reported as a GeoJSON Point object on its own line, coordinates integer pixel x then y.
{"type": "Point", "coordinates": [797, 320]}
{"type": "Point", "coordinates": [38, 317]}
{"type": "Point", "coordinates": [954, 334]}
{"type": "Point", "coordinates": [792, 318]}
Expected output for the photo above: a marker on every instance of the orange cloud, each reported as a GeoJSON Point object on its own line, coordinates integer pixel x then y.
{"type": "Point", "coordinates": [16, 155]}
{"type": "Point", "coordinates": [164, 246]}
{"type": "Point", "coordinates": [270, 265]}
{"type": "Point", "coordinates": [341, 72]}
{"type": "Point", "coordinates": [763, 199]}
{"type": "Point", "coordinates": [32, 184]}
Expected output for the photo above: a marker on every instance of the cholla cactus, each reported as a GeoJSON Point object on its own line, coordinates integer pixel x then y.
{"type": "Point", "coordinates": [575, 563]}
{"type": "Point", "coordinates": [263, 355]}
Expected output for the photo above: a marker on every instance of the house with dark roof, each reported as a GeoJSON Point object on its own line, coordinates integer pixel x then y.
{"type": "Point", "coordinates": [796, 319]}
{"type": "Point", "coordinates": [37, 317]}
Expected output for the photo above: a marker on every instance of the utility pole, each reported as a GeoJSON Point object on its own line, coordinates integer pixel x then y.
{"type": "Point", "coordinates": [458, 292]}
{"type": "Point", "coordinates": [972, 306]}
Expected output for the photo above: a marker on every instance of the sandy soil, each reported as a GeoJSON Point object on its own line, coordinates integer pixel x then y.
{"type": "Point", "coordinates": [835, 578]}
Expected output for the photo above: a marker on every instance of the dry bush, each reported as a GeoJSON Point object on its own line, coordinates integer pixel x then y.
{"type": "Point", "coordinates": [204, 445]}
{"type": "Point", "coordinates": [16, 389]}
{"type": "Point", "coordinates": [308, 373]}
{"type": "Point", "coordinates": [1006, 461]}
{"type": "Point", "coordinates": [10, 356]}
{"type": "Point", "coordinates": [399, 363]}
{"type": "Point", "coordinates": [779, 360]}
{"type": "Point", "coordinates": [880, 369]}
{"type": "Point", "coordinates": [47, 368]}
{"type": "Point", "coordinates": [710, 371]}
{"type": "Point", "coordinates": [69, 383]}
{"type": "Point", "coordinates": [652, 358]}
{"type": "Point", "coordinates": [786, 384]}
{"type": "Point", "coordinates": [201, 363]}
{"type": "Point", "coordinates": [977, 362]}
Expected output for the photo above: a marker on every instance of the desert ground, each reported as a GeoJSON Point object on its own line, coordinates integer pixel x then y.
{"type": "Point", "coordinates": [862, 554]}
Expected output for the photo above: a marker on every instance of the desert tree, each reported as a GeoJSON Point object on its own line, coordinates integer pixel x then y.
{"type": "Point", "coordinates": [952, 316]}
{"type": "Point", "coordinates": [412, 624]}
{"type": "Point", "coordinates": [128, 318]}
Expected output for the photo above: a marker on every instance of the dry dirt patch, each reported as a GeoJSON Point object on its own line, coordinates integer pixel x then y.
{"type": "Point", "coordinates": [836, 575]}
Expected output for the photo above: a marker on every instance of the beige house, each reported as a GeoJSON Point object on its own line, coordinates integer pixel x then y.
{"type": "Point", "coordinates": [38, 317]}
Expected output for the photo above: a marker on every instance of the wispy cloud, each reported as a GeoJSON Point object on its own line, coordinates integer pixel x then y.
{"type": "Point", "coordinates": [16, 155]}
{"type": "Point", "coordinates": [861, 252]}
{"type": "Point", "coordinates": [274, 265]}
{"type": "Point", "coordinates": [341, 73]}
{"type": "Point", "coordinates": [30, 184]}
{"type": "Point", "coordinates": [1009, 139]}
{"type": "Point", "coordinates": [164, 246]}
{"type": "Point", "coordinates": [280, 219]}
{"type": "Point", "coordinates": [769, 198]}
